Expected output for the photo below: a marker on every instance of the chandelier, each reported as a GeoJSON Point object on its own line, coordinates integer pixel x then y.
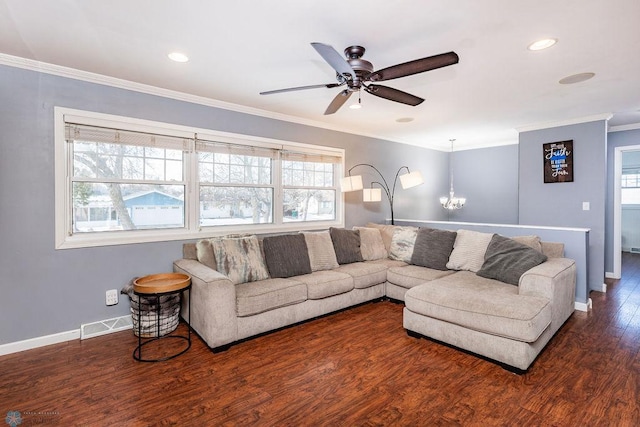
{"type": "Point", "coordinates": [452, 203]}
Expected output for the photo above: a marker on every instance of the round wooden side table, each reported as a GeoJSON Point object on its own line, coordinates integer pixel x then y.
{"type": "Point", "coordinates": [153, 290]}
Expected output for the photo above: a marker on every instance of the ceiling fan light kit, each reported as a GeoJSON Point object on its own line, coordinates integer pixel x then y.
{"type": "Point", "coordinates": [357, 74]}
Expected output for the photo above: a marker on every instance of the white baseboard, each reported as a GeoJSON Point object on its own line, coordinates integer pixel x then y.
{"type": "Point", "coordinates": [581, 306]}
{"type": "Point", "coordinates": [610, 275]}
{"type": "Point", "coordinates": [89, 330]}
{"type": "Point", "coordinates": [15, 347]}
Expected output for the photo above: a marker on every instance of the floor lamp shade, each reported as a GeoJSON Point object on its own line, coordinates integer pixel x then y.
{"type": "Point", "coordinates": [411, 179]}
{"type": "Point", "coordinates": [351, 183]}
{"type": "Point", "coordinates": [371, 194]}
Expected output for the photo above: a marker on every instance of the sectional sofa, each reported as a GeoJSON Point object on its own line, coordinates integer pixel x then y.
{"type": "Point", "coordinates": [502, 298]}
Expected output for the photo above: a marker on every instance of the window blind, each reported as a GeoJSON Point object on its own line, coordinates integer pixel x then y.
{"type": "Point", "coordinates": [242, 150]}
{"type": "Point", "coordinates": [77, 132]}
{"type": "Point", "coordinates": [309, 157]}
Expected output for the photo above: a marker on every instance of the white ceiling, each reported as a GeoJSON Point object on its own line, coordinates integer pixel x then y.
{"type": "Point", "coordinates": [242, 47]}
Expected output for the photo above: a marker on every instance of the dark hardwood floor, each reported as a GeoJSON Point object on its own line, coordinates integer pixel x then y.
{"type": "Point", "coordinates": [354, 368]}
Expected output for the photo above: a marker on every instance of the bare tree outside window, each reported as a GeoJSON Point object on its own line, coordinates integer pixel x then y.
{"type": "Point", "coordinates": [126, 187]}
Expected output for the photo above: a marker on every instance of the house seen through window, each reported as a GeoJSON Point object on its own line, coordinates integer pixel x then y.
{"type": "Point", "coordinates": [130, 186]}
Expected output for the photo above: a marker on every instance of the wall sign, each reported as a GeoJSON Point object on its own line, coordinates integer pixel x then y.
{"type": "Point", "coordinates": [558, 161]}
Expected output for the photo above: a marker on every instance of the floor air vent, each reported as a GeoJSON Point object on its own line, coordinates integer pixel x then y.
{"type": "Point", "coordinates": [103, 327]}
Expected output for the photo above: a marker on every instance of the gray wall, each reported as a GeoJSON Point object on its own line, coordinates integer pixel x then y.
{"type": "Point", "coordinates": [45, 291]}
{"type": "Point", "coordinates": [488, 178]}
{"type": "Point", "coordinates": [615, 139]}
{"type": "Point", "coordinates": [560, 204]}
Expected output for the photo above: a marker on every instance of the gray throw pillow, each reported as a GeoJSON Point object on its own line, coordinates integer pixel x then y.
{"type": "Point", "coordinates": [432, 248]}
{"type": "Point", "coordinates": [286, 255]}
{"type": "Point", "coordinates": [506, 260]}
{"type": "Point", "coordinates": [346, 244]}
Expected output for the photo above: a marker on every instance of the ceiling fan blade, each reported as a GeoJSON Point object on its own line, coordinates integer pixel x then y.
{"type": "Point", "coordinates": [338, 102]}
{"type": "Point", "coordinates": [334, 59]}
{"type": "Point", "coordinates": [291, 89]}
{"type": "Point", "coordinates": [414, 67]}
{"type": "Point", "coordinates": [393, 94]}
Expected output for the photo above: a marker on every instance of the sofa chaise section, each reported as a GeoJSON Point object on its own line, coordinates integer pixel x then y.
{"type": "Point", "coordinates": [506, 323]}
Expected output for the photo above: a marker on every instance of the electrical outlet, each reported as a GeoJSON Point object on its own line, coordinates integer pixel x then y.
{"type": "Point", "coordinates": [112, 297]}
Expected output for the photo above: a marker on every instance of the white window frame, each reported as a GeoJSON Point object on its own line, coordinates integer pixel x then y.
{"type": "Point", "coordinates": [64, 239]}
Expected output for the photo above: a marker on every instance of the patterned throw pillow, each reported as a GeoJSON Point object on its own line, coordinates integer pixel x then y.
{"type": "Point", "coordinates": [404, 238]}
{"type": "Point", "coordinates": [322, 256]}
{"type": "Point", "coordinates": [371, 244]}
{"type": "Point", "coordinates": [240, 259]}
{"type": "Point", "coordinates": [468, 250]}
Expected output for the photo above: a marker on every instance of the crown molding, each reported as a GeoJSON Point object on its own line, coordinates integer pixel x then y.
{"type": "Point", "coordinates": [86, 76]}
{"type": "Point", "coordinates": [621, 128]}
{"type": "Point", "coordinates": [554, 124]}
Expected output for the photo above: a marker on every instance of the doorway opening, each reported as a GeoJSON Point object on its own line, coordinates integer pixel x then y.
{"type": "Point", "coordinates": [626, 211]}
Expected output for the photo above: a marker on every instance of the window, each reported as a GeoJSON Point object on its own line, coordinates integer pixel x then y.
{"type": "Point", "coordinates": [122, 180]}
{"type": "Point", "coordinates": [630, 188]}
{"type": "Point", "coordinates": [236, 184]}
{"type": "Point", "coordinates": [309, 187]}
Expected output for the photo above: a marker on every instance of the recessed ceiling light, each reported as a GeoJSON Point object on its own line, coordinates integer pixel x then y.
{"type": "Point", "coordinates": [542, 44]}
{"type": "Point", "coordinates": [178, 57]}
{"type": "Point", "coordinates": [355, 106]}
{"type": "Point", "coordinates": [576, 78]}
{"type": "Point", "coordinates": [404, 119]}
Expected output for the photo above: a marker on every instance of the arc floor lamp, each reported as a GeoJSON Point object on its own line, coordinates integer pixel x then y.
{"type": "Point", "coordinates": [371, 194]}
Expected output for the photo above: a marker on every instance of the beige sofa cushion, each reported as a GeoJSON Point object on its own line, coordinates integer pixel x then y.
{"type": "Point", "coordinates": [257, 297]}
{"type": "Point", "coordinates": [468, 250]}
{"type": "Point", "coordinates": [553, 249]}
{"type": "Point", "coordinates": [323, 284]}
{"type": "Point", "coordinates": [533, 242]}
{"type": "Point", "coordinates": [413, 275]}
{"type": "Point", "coordinates": [204, 253]}
{"type": "Point", "coordinates": [481, 304]}
{"type": "Point", "coordinates": [322, 256]}
{"type": "Point", "coordinates": [365, 274]}
{"type": "Point", "coordinates": [371, 244]}
{"type": "Point", "coordinates": [386, 231]}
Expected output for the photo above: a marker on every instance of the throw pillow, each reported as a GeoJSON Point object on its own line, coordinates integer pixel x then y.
{"type": "Point", "coordinates": [322, 256]}
{"type": "Point", "coordinates": [204, 253]}
{"type": "Point", "coordinates": [346, 243]}
{"type": "Point", "coordinates": [371, 244]}
{"type": "Point", "coordinates": [286, 255]}
{"type": "Point", "coordinates": [531, 241]}
{"type": "Point", "coordinates": [468, 250]}
{"type": "Point", "coordinates": [433, 248]}
{"type": "Point", "coordinates": [386, 231]}
{"type": "Point", "coordinates": [402, 243]}
{"type": "Point", "coordinates": [240, 259]}
{"type": "Point", "coordinates": [506, 260]}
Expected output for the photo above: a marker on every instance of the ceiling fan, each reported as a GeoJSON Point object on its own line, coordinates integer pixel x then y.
{"type": "Point", "coordinates": [357, 73]}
